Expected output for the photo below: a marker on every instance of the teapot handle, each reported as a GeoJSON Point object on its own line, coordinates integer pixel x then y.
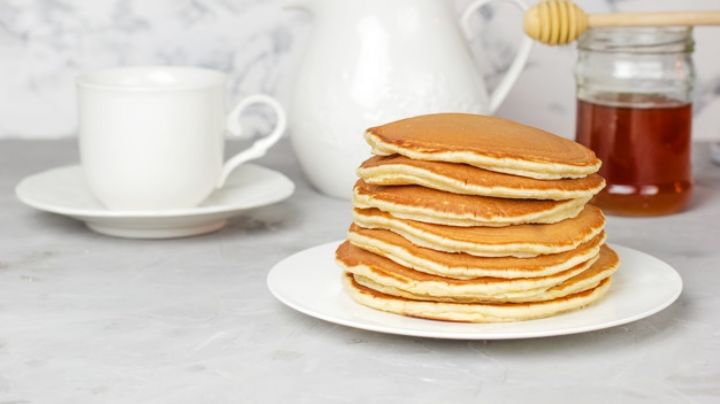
{"type": "Point", "coordinates": [517, 65]}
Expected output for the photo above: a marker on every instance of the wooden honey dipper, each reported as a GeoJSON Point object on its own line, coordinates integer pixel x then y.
{"type": "Point", "coordinates": [559, 22]}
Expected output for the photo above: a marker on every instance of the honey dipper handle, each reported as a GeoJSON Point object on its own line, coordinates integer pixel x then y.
{"type": "Point", "coordinates": [654, 19]}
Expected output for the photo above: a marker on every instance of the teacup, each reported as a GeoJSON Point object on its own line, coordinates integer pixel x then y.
{"type": "Point", "coordinates": [152, 138]}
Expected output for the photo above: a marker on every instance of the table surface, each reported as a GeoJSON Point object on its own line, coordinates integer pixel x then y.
{"type": "Point", "coordinates": [90, 318]}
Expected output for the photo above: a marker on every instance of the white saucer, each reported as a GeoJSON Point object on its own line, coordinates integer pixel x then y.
{"type": "Point", "coordinates": [64, 191]}
{"type": "Point", "coordinates": [309, 281]}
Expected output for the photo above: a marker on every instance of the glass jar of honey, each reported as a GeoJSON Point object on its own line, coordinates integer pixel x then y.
{"type": "Point", "coordinates": [634, 110]}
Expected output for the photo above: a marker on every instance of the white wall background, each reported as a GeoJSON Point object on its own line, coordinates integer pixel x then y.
{"type": "Point", "coordinates": [44, 44]}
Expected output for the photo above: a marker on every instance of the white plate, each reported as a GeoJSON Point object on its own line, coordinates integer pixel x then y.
{"type": "Point", "coordinates": [64, 191]}
{"type": "Point", "coordinates": [309, 281]}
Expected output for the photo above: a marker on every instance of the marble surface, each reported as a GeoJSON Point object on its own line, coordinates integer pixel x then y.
{"type": "Point", "coordinates": [44, 44]}
{"type": "Point", "coordinates": [86, 318]}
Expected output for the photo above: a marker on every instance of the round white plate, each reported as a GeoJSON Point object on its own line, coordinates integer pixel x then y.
{"type": "Point", "coordinates": [64, 191]}
{"type": "Point", "coordinates": [309, 281]}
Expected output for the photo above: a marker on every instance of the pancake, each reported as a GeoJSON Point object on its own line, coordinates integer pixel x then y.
{"type": "Point", "coordinates": [393, 283]}
{"type": "Point", "coordinates": [468, 180]}
{"type": "Point", "coordinates": [433, 206]}
{"type": "Point", "coordinates": [464, 266]}
{"type": "Point", "coordinates": [364, 264]}
{"type": "Point", "coordinates": [487, 142]}
{"type": "Point", "coordinates": [607, 264]}
{"type": "Point", "coordinates": [471, 312]}
{"type": "Point", "coordinates": [516, 241]}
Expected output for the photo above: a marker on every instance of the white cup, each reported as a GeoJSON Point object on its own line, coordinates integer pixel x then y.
{"type": "Point", "coordinates": [152, 138]}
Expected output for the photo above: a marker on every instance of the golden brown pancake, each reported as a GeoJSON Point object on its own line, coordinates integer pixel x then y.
{"type": "Point", "coordinates": [484, 141]}
{"type": "Point", "coordinates": [433, 206]}
{"type": "Point", "coordinates": [473, 312]}
{"type": "Point", "coordinates": [464, 266]}
{"type": "Point", "coordinates": [386, 279]}
{"type": "Point", "coordinates": [516, 241]}
{"type": "Point", "coordinates": [468, 180]}
{"type": "Point", "coordinates": [422, 286]}
{"type": "Point", "coordinates": [608, 262]}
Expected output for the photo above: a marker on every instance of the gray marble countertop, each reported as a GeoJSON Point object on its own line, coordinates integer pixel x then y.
{"type": "Point", "coordinates": [86, 318]}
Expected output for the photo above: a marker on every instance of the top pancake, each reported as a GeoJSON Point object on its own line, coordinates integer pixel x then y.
{"type": "Point", "coordinates": [468, 180]}
{"type": "Point", "coordinates": [483, 141]}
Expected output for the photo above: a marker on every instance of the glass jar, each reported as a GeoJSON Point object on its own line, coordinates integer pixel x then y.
{"type": "Point", "coordinates": [634, 110]}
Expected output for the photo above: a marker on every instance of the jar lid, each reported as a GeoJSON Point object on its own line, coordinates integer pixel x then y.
{"type": "Point", "coordinates": [646, 40]}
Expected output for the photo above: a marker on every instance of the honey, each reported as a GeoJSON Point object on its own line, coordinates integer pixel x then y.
{"type": "Point", "coordinates": [634, 110]}
{"type": "Point", "coordinates": [645, 154]}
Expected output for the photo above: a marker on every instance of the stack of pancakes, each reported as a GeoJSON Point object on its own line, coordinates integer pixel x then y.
{"type": "Point", "coordinates": [472, 218]}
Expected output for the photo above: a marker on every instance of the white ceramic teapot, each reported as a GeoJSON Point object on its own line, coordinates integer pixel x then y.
{"type": "Point", "coordinates": [374, 61]}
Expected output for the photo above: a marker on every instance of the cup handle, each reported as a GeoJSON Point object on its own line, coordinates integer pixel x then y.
{"type": "Point", "coordinates": [260, 146]}
{"type": "Point", "coordinates": [521, 57]}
